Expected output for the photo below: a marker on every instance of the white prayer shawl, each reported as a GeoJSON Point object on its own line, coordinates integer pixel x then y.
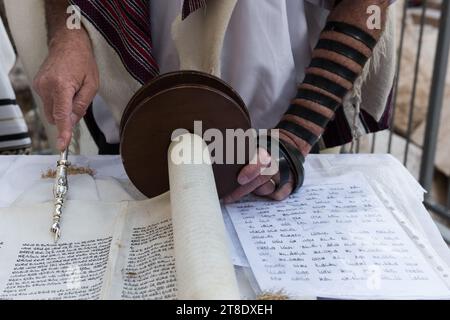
{"type": "Point", "coordinates": [199, 40]}
{"type": "Point", "coordinates": [14, 137]}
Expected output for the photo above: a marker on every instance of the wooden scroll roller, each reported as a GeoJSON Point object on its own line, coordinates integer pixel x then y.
{"type": "Point", "coordinates": [176, 101]}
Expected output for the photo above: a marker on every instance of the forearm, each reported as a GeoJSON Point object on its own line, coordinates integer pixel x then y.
{"type": "Point", "coordinates": [68, 79]}
{"type": "Point", "coordinates": [332, 85]}
{"type": "Point", "coordinates": [55, 14]}
{"type": "Point", "coordinates": [56, 19]}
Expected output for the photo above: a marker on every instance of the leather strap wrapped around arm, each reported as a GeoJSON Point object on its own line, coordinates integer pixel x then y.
{"type": "Point", "coordinates": [352, 31]}
{"type": "Point", "coordinates": [343, 49]}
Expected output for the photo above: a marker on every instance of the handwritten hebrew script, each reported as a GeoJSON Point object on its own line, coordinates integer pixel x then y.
{"type": "Point", "coordinates": [332, 239]}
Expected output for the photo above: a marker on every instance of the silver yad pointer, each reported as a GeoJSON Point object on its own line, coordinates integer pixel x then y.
{"type": "Point", "coordinates": [60, 189]}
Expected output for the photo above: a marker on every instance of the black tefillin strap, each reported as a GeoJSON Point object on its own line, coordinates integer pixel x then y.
{"type": "Point", "coordinates": [283, 165]}
{"type": "Point", "coordinates": [318, 98]}
{"type": "Point", "coordinates": [353, 32]}
{"type": "Point", "coordinates": [343, 50]}
{"type": "Point", "coordinates": [98, 136]}
{"type": "Point", "coordinates": [299, 131]}
{"type": "Point", "coordinates": [284, 170]}
{"type": "Point", "coordinates": [308, 114]}
{"type": "Point", "coordinates": [325, 84]}
{"type": "Point", "coordinates": [292, 155]}
{"type": "Point", "coordinates": [290, 161]}
{"type": "Point", "coordinates": [296, 161]}
{"type": "Point", "coordinates": [335, 68]}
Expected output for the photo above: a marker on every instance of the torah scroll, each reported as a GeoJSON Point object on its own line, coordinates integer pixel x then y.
{"type": "Point", "coordinates": [203, 265]}
{"type": "Point", "coordinates": [116, 248]}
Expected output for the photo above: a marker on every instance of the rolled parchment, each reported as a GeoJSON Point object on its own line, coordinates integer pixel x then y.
{"type": "Point", "coordinates": [203, 264]}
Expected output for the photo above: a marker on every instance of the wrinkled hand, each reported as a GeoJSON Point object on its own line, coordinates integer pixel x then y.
{"type": "Point", "coordinates": [254, 179]}
{"type": "Point", "coordinates": [67, 82]}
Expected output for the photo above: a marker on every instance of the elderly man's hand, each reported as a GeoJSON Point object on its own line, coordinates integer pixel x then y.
{"type": "Point", "coordinates": [67, 81]}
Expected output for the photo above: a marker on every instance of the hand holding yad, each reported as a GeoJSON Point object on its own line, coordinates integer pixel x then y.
{"type": "Point", "coordinates": [60, 189]}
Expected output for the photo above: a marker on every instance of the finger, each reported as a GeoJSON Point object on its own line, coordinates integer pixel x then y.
{"type": "Point", "coordinates": [46, 98]}
{"type": "Point", "coordinates": [244, 190]}
{"type": "Point", "coordinates": [269, 187]}
{"type": "Point", "coordinates": [283, 193]}
{"type": "Point", "coordinates": [82, 100]}
{"type": "Point", "coordinates": [48, 108]}
{"type": "Point", "coordinates": [250, 172]}
{"type": "Point", "coordinates": [266, 189]}
{"type": "Point", "coordinates": [62, 110]}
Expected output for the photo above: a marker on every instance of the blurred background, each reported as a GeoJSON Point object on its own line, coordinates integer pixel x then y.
{"type": "Point", "coordinates": [420, 130]}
